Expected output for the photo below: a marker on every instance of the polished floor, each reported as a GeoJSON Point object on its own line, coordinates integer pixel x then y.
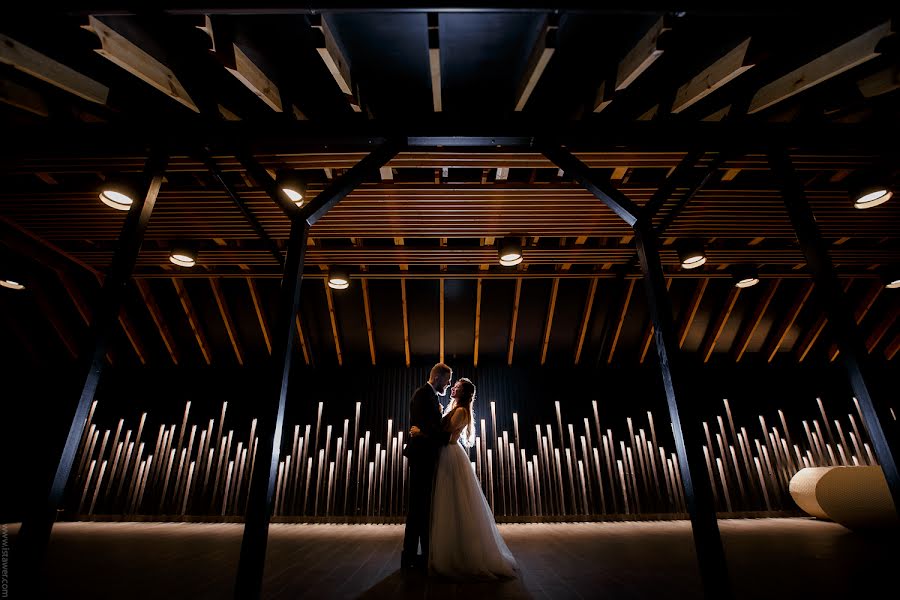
{"type": "Point", "coordinates": [768, 558]}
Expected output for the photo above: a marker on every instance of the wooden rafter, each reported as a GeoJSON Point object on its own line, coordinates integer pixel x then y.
{"type": "Point", "coordinates": [28, 60]}
{"type": "Point", "coordinates": [156, 314]}
{"type": "Point", "coordinates": [370, 328]}
{"type": "Point", "coordinates": [441, 294]}
{"type": "Point", "coordinates": [549, 323]}
{"type": "Point", "coordinates": [717, 75]}
{"type": "Point", "coordinates": [843, 58]}
{"type": "Point", "coordinates": [746, 334]}
{"type": "Point", "coordinates": [226, 318]}
{"type": "Point", "coordinates": [126, 54]}
{"type": "Point", "coordinates": [51, 312]}
{"type": "Point", "coordinates": [23, 98]}
{"type": "Point", "coordinates": [515, 318]}
{"type": "Point", "coordinates": [712, 336]}
{"type": "Point", "coordinates": [586, 318]}
{"type": "Point", "coordinates": [807, 342]}
{"type": "Point", "coordinates": [693, 306]}
{"type": "Point", "coordinates": [434, 60]}
{"type": "Point", "coordinates": [333, 57]}
{"type": "Point", "coordinates": [307, 357]}
{"type": "Point", "coordinates": [78, 299]}
{"type": "Point", "coordinates": [477, 322]}
{"type": "Point", "coordinates": [644, 54]}
{"type": "Point", "coordinates": [193, 320]}
{"type": "Point", "coordinates": [621, 320]}
{"type": "Point", "coordinates": [131, 334]}
{"type": "Point", "coordinates": [334, 327]}
{"type": "Point", "coordinates": [860, 313]}
{"type": "Point", "coordinates": [891, 351]}
{"type": "Point", "coordinates": [260, 315]}
{"type": "Point", "coordinates": [405, 320]}
{"type": "Point", "coordinates": [648, 336]}
{"type": "Point", "coordinates": [781, 332]}
{"type": "Point", "coordinates": [882, 328]}
{"type": "Point", "coordinates": [543, 50]}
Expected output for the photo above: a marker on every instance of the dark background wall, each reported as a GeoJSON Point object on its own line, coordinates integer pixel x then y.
{"type": "Point", "coordinates": [37, 406]}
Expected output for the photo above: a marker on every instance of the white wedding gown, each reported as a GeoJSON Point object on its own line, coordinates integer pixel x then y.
{"type": "Point", "coordinates": [465, 542]}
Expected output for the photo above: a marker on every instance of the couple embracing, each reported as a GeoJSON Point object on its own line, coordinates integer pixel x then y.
{"type": "Point", "coordinates": [447, 511]}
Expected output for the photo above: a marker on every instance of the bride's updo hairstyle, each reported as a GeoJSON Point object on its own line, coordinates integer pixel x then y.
{"type": "Point", "coordinates": [465, 397]}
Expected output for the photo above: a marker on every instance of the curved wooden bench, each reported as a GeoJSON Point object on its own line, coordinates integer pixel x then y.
{"type": "Point", "coordinates": [855, 497]}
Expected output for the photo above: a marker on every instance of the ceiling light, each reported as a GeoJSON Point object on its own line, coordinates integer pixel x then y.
{"type": "Point", "coordinates": [338, 278]}
{"type": "Point", "coordinates": [11, 284]}
{"type": "Point", "coordinates": [871, 195]}
{"type": "Point", "coordinates": [691, 254]}
{"type": "Point", "coordinates": [183, 256]}
{"type": "Point", "coordinates": [891, 277]}
{"type": "Point", "coordinates": [510, 251]}
{"type": "Point", "coordinates": [292, 186]}
{"type": "Point", "coordinates": [117, 194]}
{"type": "Point", "coordinates": [744, 276]}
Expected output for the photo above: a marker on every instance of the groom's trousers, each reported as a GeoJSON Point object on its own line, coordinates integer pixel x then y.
{"type": "Point", "coordinates": [418, 516]}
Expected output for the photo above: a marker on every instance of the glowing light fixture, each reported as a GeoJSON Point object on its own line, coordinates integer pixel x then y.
{"type": "Point", "coordinates": [891, 277]}
{"type": "Point", "coordinates": [744, 276]}
{"type": "Point", "coordinates": [869, 196]}
{"type": "Point", "coordinates": [510, 251]}
{"type": "Point", "coordinates": [691, 254]}
{"type": "Point", "coordinates": [292, 186]}
{"type": "Point", "coordinates": [117, 194]}
{"type": "Point", "coordinates": [183, 256]}
{"type": "Point", "coordinates": [338, 278]}
{"type": "Point", "coordinates": [11, 284]}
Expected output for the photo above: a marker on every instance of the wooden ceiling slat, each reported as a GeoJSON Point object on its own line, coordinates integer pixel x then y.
{"type": "Point", "coordinates": [693, 306]}
{"type": "Point", "coordinates": [621, 320]}
{"type": "Point", "coordinates": [586, 317]}
{"type": "Point", "coordinates": [712, 337]}
{"type": "Point", "coordinates": [226, 318]}
{"type": "Point", "coordinates": [549, 323]}
{"type": "Point", "coordinates": [515, 319]}
{"type": "Point", "coordinates": [193, 320]}
{"type": "Point", "coordinates": [790, 317]}
{"type": "Point", "coordinates": [260, 315]}
{"type": "Point", "coordinates": [370, 329]}
{"type": "Point", "coordinates": [749, 327]}
{"type": "Point", "coordinates": [158, 319]}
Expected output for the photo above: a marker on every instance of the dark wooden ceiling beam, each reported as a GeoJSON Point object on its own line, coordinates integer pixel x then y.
{"type": "Point", "coordinates": [260, 314]}
{"type": "Point", "coordinates": [302, 340]}
{"type": "Point", "coordinates": [586, 317]}
{"type": "Point", "coordinates": [734, 63]}
{"type": "Point", "coordinates": [807, 342]}
{"type": "Point", "coordinates": [38, 65]}
{"type": "Point", "coordinates": [515, 319]}
{"type": "Point", "coordinates": [843, 58]}
{"type": "Point", "coordinates": [193, 320]}
{"type": "Point", "coordinates": [882, 328]}
{"type": "Point", "coordinates": [780, 331]}
{"type": "Point", "coordinates": [742, 341]}
{"type": "Point", "coordinates": [548, 325]}
{"type": "Point", "coordinates": [335, 60]}
{"type": "Point", "coordinates": [713, 334]}
{"type": "Point", "coordinates": [626, 301]}
{"type": "Point", "coordinates": [370, 327]}
{"type": "Point", "coordinates": [865, 305]}
{"type": "Point", "coordinates": [405, 320]}
{"type": "Point", "coordinates": [49, 309]}
{"type": "Point", "coordinates": [538, 58]}
{"type": "Point", "coordinates": [434, 60]}
{"type": "Point", "coordinates": [650, 47]}
{"type": "Point", "coordinates": [891, 351]}
{"type": "Point", "coordinates": [692, 308]}
{"type": "Point", "coordinates": [159, 320]}
{"type": "Point", "coordinates": [230, 329]}
{"type": "Point", "coordinates": [477, 322]}
{"type": "Point", "coordinates": [334, 327]}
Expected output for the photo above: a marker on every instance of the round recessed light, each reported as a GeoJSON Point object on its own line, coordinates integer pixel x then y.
{"type": "Point", "coordinates": [338, 279]}
{"type": "Point", "coordinates": [510, 252]}
{"type": "Point", "coordinates": [691, 254]}
{"type": "Point", "coordinates": [116, 199]}
{"type": "Point", "coordinates": [744, 276]}
{"type": "Point", "coordinates": [293, 195]}
{"type": "Point", "coordinates": [183, 257]}
{"type": "Point", "coordinates": [872, 197]}
{"type": "Point", "coordinates": [11, 284]}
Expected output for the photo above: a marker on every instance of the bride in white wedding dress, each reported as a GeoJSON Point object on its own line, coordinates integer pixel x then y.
{"type": "Point", "coordinates": [465, 542]}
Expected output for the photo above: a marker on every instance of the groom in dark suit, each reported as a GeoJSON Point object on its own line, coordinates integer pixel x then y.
{"type": "Point", "coordinates": [425, 442]}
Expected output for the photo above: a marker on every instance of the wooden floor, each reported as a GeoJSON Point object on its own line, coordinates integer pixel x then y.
{"type": "Point", "coordinates": [768, 558]}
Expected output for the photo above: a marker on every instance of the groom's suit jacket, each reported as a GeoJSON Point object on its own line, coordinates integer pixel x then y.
{"type": "Point", "coordinates": [425, 413]}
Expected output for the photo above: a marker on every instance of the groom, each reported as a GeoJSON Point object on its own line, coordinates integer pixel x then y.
{"type": "Point", "coordinates": [422, 451]}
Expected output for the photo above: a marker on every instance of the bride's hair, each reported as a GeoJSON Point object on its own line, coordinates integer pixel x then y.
{"type": "Point", "coordinates": [465, 398]}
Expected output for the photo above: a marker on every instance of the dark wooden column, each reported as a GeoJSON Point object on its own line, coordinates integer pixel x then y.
{"type": "Point", "coordinates": [37, 524]}
{"type": "Point", "coordinates": [875, 410]}
{"type": "Point", "coordinates": [688, 443]}
{"type": "Point", "coordinates": [252, 562]}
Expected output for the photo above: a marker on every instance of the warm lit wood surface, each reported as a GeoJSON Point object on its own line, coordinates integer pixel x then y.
{"type": "Point", "coordinates": [768, 558]}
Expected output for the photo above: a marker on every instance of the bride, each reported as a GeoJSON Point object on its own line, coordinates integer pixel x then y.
{"type": "Point", "coordinates": [465, 542]}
